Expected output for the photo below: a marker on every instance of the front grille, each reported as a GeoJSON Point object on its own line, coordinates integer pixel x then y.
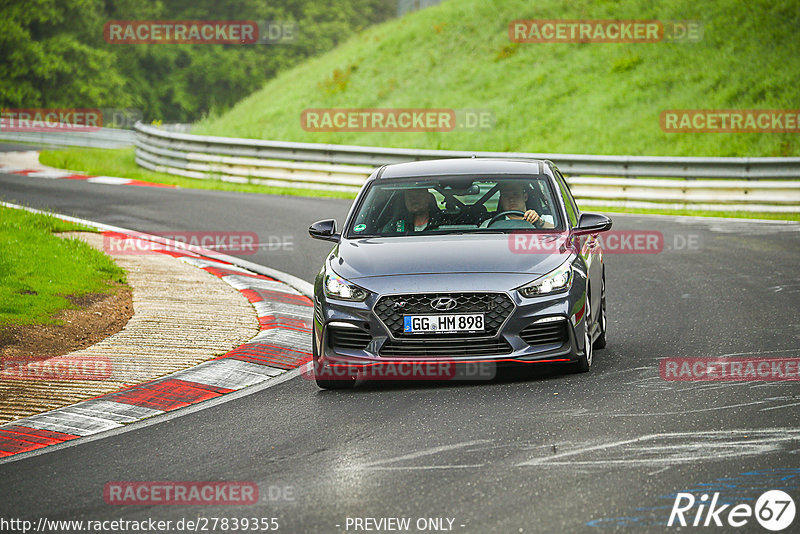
{"type": "Point", "coordinates": [348, 338]}
{"type": "Point", "coordinates": [496, 308]}
{"type": "Point", "coordinates": [454, 348]}
{"type": "Point", "coordinates": [545, 333]}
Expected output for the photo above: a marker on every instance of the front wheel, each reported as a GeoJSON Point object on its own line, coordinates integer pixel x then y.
{"type": "Point", "coordinates": [585, 359]}
{"type": "Point", "coordinates": [600, 342]}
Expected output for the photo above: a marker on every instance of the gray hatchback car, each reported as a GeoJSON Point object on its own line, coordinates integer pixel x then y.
{"type": "Point", "coordinates": [446, 264]}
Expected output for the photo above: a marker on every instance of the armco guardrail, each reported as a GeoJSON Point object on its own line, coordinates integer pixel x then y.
{"type": "Point", "coordinates": [750, 184]}
{"type": "Point", "coordinates": [101, 138]}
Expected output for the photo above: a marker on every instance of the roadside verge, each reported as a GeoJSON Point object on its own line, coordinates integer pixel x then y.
{"type": "Point", "coordinates": [182, 317]}
{"type": "Point", "coordinates": [283, 343]}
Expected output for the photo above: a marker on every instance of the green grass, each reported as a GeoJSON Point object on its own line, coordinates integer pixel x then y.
{"type": "Point", "coordinates": [581, 98]}
{"type": "Point", "coordinates": [698, 213]}
{"type": "Point", "coordinates": [38, 269]}
{"type": "Point", "coordinates": [120, 162]}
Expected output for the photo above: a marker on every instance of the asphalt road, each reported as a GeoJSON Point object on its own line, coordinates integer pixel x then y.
{"type": "Point", "coordinates": [543, 452]}
{"type": "Point", "coordinates": [281, 223]}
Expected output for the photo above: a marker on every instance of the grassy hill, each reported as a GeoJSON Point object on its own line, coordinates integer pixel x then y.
{"type": "Point", "coordinates": [584, 98]}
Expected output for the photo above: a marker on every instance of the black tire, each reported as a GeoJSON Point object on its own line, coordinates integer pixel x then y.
{"type": "Point", "coordinates": [336, 383]}
{"type": "Point", "coordinates": [584, 362]}
{"type": "Point", "coordinates": [600, 342]}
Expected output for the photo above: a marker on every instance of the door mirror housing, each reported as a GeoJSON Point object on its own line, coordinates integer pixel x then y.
{"type": "Point", "coordinates": [325, 230]}
{"type": "Point", "coordinates": [592, 223]}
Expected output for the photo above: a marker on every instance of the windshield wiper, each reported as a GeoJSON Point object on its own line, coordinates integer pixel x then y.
{"type": "Point", "coordinates": [467, 232]}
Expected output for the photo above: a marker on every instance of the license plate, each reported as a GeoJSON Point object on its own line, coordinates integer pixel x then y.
{"type": "Point", "coordinates": [443, 324]}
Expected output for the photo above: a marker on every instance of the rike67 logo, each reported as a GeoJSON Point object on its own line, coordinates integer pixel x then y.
{"type": "Point", "coordinates": [774, 510]}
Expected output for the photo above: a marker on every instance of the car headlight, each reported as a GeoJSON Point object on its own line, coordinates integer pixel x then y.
{"type": "Point", "coordinates": [553, 282]}
{"type": "Point", "coordinates": [336, 287]}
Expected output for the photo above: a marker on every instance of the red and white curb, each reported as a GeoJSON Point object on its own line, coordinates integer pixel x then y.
{"type": "Point", "coordinates": [284, 343]}
{"type": "Point", "coordinates": [54, 174]}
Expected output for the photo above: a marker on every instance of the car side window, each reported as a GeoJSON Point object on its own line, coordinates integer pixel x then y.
{"type": "Point", "coordinates": [569, 202]}
{"type": "Point", "coordinates": [572, 198]}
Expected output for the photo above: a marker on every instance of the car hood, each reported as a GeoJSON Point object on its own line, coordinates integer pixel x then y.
{"type": "Point", "coordinates": [425, 255]}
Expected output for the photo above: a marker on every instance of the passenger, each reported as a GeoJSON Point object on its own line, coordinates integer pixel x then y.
{"type": "Point", "coordinates": [420, 212]}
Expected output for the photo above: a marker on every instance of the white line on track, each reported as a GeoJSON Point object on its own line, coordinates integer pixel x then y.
{"type": "Point", "coordinates": [779, 407]}
{"type": "Point", "coordinates": [692, 447]}
{"type": "Point", "coordinates": [759, 352]}
{"type": "Point", "coordinates": [418, 454]}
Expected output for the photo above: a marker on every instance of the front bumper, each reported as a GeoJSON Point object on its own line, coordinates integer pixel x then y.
{"type": "Point", "coordinates": [351, 335]}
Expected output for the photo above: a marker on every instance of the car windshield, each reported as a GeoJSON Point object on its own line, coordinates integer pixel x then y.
{"type": "Point", "coordinates": [448, 205]}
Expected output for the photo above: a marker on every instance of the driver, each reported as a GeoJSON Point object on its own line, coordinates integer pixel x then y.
{"type": "Point", "coordinates": [419, 214]}
{"type": "Point", "coordinates": [513, 197]}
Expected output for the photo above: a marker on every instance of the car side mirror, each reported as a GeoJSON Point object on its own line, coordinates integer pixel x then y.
{"type": "Point", "coordinates": [592, 223]}
{"type": "Point", "coordinates": [325, 230]}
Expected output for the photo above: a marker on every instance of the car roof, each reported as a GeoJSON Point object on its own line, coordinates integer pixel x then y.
{"type": "Point", "coordinates": [462, 166]}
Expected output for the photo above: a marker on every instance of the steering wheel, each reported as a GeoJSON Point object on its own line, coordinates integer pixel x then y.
{"type": "Point", "coordinates": [504, 213]}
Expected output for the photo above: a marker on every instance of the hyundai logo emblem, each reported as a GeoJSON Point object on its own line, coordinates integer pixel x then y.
{"type": "Point", "coordinates": [444, 303]}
